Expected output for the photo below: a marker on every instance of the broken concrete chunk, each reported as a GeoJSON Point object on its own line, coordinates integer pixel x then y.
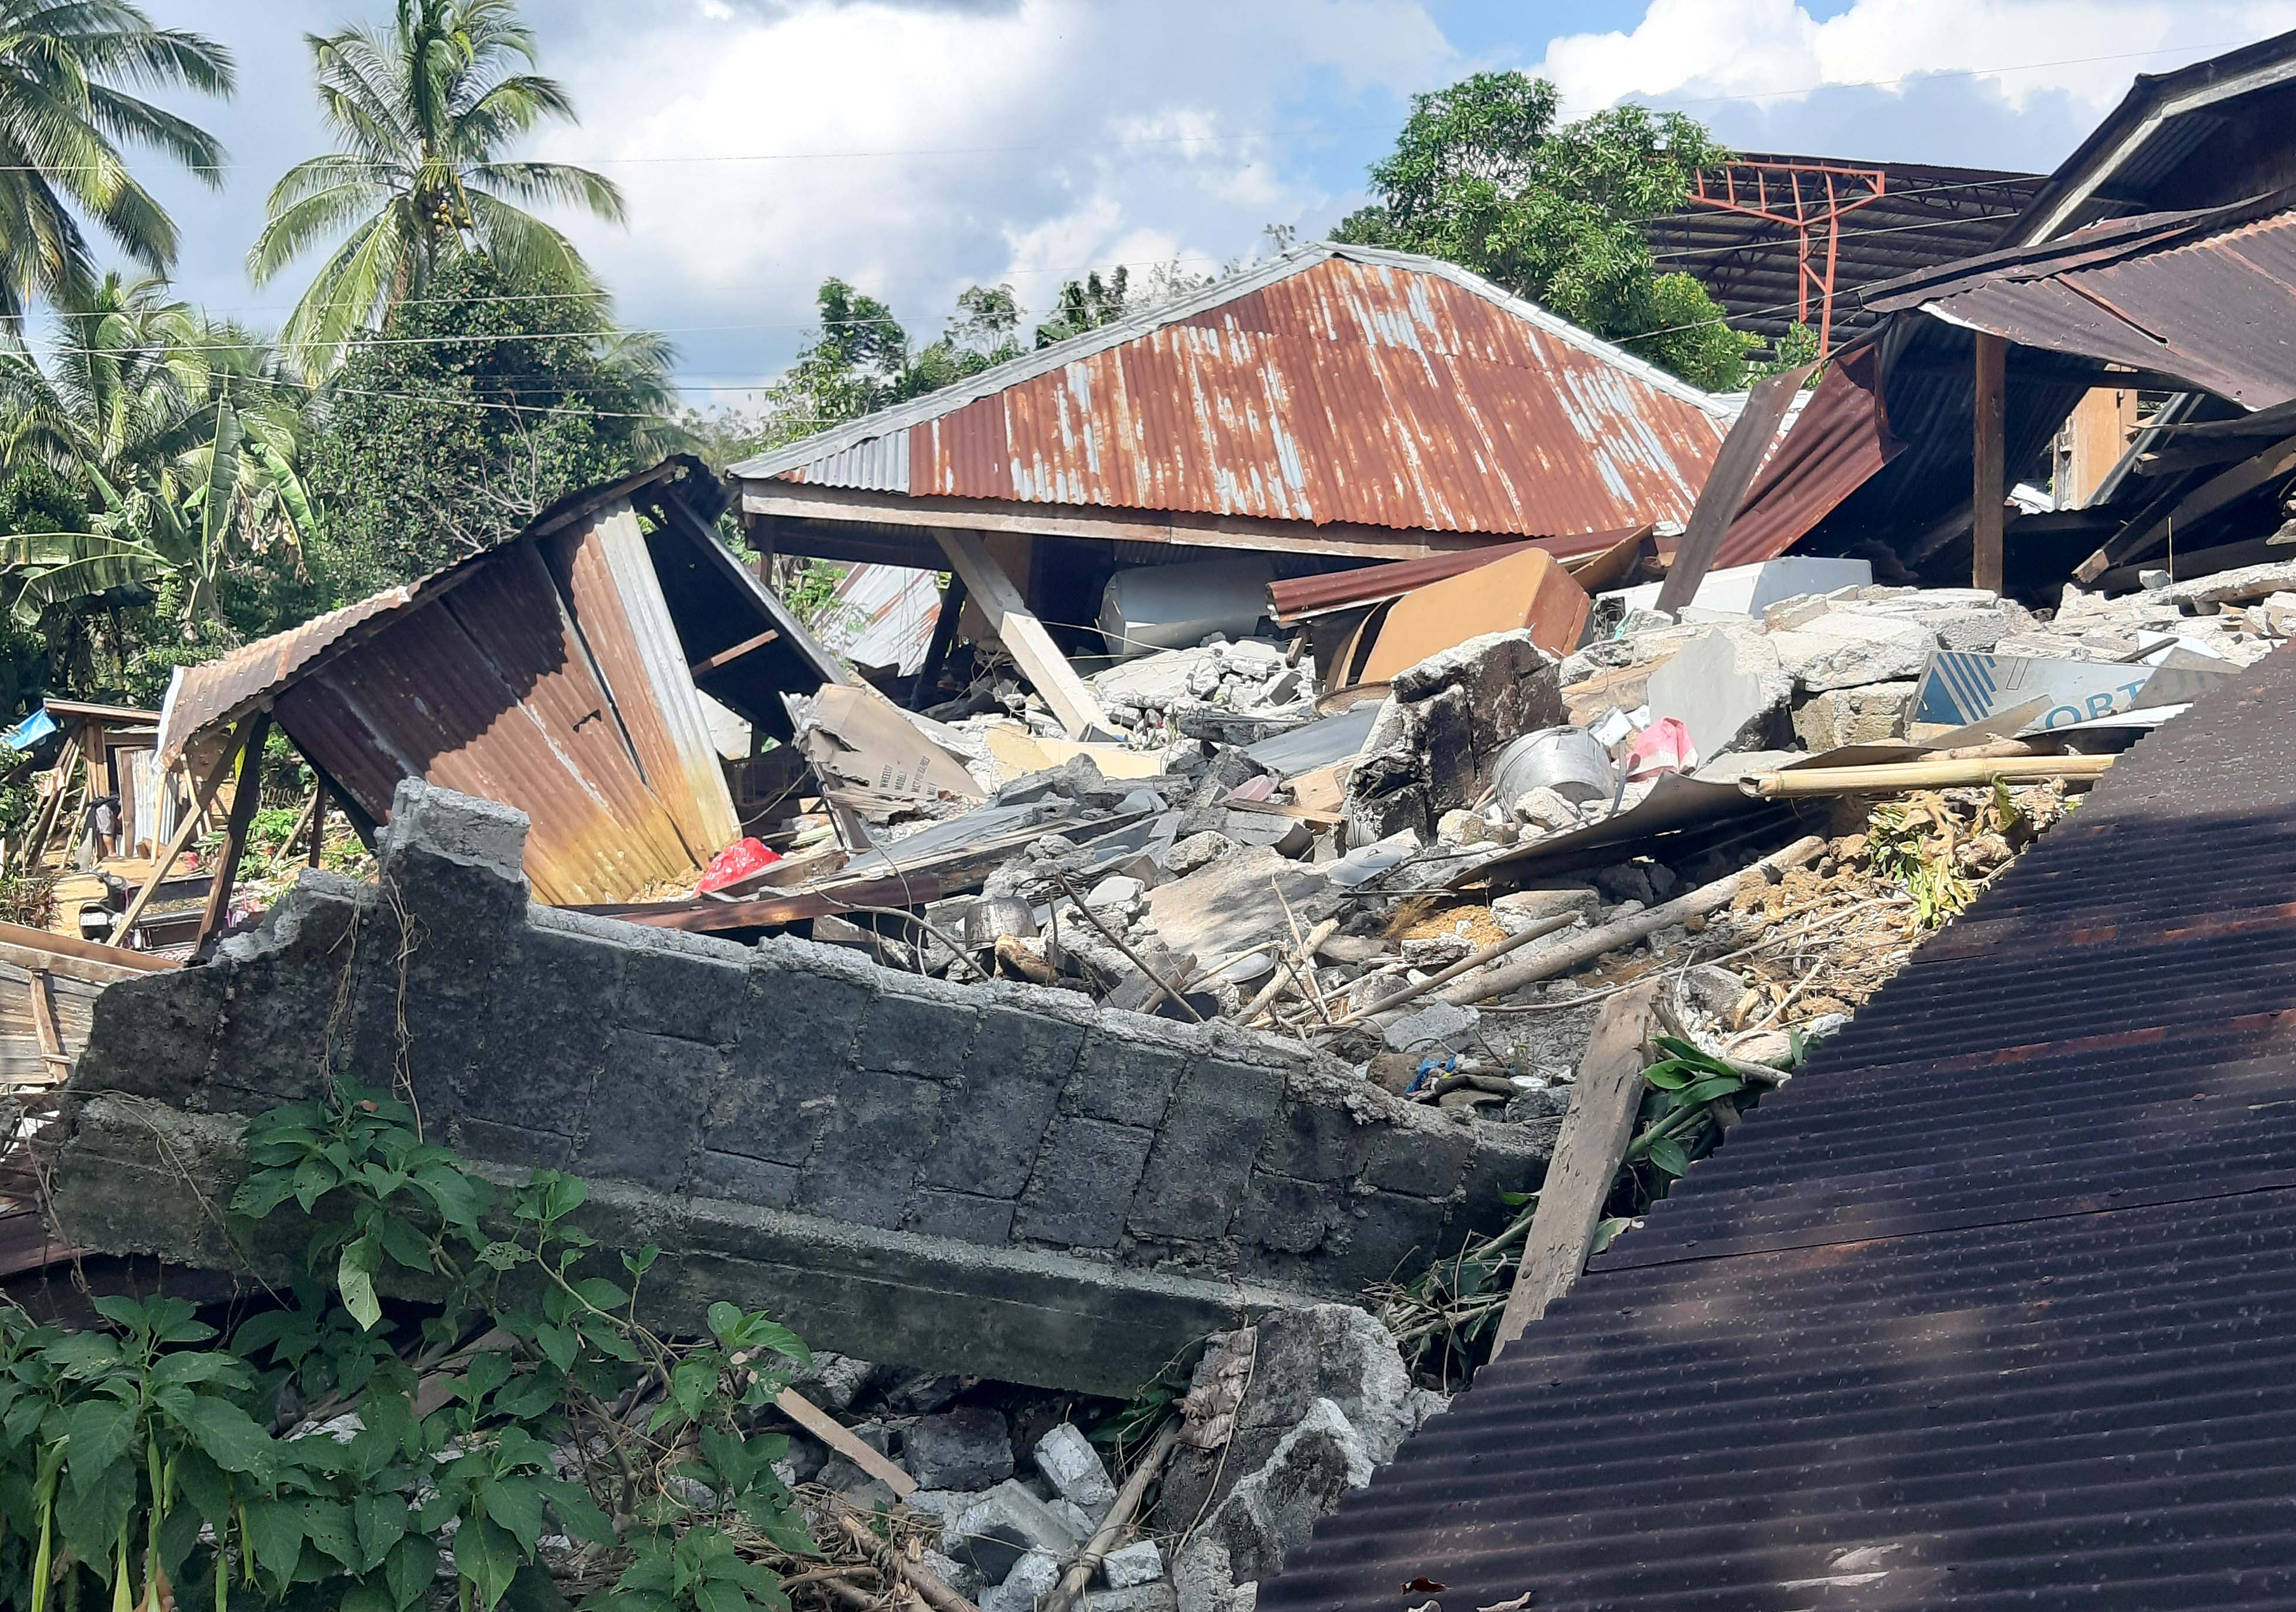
{"type": "Point", "coordinates": [1153, 1597]}
{"type": "Point", "coordinates": [1203, 1579]}
{"type": "Point", "coordinates": [1460, 827]}
{"type": "Point", "coordinates": [1137, 1564]}
{"type": "Point", "coordinates": [1870, 715]}
{"type": "Point", "coordinates": [1032, 1578]}
{"type": "Point", "coordinates": [1075, 1470]}
{"type": "Point", "coordinates": [1842, 650]}
{"type": "Point", "coordinates": [1270, 1513]}
{"type": "Point", "coordinates": [959, 1576]}
{"type": "Point", "coordinates": [833, 1381]}
{"type": "Point", "coordinates": [1004, 1525]}
{"type": "Point", "coordinates": [1438, 1026]}
{"type": "Point", "coordinates": [1545, 809]}
{"type": "Point", "coordinates": [1230, 905]}
{"type": "Point", "coordinates": [1517, 910]}
{"type": "Point", "coordinates": [970, 1448]}
{"type": "Point", "coordinates": [1728, 689]}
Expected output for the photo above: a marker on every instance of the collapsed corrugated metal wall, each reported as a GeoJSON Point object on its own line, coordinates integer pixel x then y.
{"type": "Point", "coordinates": [1988, 1307]}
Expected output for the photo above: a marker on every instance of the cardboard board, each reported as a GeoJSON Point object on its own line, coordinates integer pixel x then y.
{"type": "Point", "coordinates": [1530, 590]}
{"type": "Point", "coordinates": [862, 741]}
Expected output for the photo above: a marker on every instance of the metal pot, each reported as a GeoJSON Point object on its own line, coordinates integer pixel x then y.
{"type": "Point", "coordinates": [1569, 760]}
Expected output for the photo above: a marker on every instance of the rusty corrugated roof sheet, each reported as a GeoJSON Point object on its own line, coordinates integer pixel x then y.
{"type": "Point", "coordinates": [217, 693]}
{"type": "Point", "coordinates": [1989, 1307]}
{"type": "Point", "coordinates": [1333, 384]}
{"type": "Point", "coordinates": [884, 615]}
{"type": "Point", "coordinates": [2207, 296]}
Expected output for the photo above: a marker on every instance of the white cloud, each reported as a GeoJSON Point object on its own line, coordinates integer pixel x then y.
{"type": "Point", "coordinates": [2053, 66]}
{"type": "Point", "coordinates": [920, 148]}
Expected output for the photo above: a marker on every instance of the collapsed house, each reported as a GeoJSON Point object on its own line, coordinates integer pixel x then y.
{"type": "Point", "coordinates": [1157, 973]}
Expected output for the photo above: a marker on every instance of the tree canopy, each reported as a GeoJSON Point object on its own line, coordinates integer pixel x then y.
{"type": "Point", "coordinates": [64, 116]}
{"type": "Point", "coordinates": [473, 409]}
{"type": "Point", "coordinates": [1484, 176]}
{"type": "Point", "coordinates": [424, 111]}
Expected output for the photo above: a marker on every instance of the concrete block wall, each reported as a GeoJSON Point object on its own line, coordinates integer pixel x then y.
{"type": "Point", "coordinates": [1004, 1178]}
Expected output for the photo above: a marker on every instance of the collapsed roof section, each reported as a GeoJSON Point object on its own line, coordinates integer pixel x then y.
{"type": "Point", "coordinates": [1337, 400]}
{"type": "Point", "coordinates": [560, 672]}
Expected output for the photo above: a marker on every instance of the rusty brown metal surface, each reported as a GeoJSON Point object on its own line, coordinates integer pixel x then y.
{"type": "Point", "coordinates": [215, 693]}
{"type": "Point", "coordinates": [2207, 296]}
{"type": "Point", "coordinates": [1297, 598]}
{"type": "Point", "coordinates": [1337, 384]}
{"type": "Point", "coordinates": [1988, 1307]}
{"type": "Point", "coordinates": [1841, 439]}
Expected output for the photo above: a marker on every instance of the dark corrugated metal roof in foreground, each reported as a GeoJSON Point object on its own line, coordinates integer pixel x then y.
{"type": "Point", "coordinates": [1333, 384]}
{"type": "Point", "coordinates": [1991, 1307]}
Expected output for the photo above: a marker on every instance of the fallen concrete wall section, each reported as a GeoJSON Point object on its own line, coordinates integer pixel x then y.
{"type": "Point", "coordinates": [1000, 1180]}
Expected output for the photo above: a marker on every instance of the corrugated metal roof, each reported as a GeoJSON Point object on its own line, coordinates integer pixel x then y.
{"type": "Point", "coordinates": [884, 615]}
{"type": "Point", "coordinates": [217, 693]}
{"type": "Point", "coordinates": [2208, 296]}
{"type": "Point", "coordinates": [1990, 1307]}
{"type": "Point", "coordinates": [1294, 599]}
{"type": "Point", "coordinates": [1333, 384]}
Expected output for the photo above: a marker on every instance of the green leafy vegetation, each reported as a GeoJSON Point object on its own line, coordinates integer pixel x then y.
{"type": "Point", "coordinates": [1485, 176]}
{"type": "Point", "coordinates": [144, 1464]}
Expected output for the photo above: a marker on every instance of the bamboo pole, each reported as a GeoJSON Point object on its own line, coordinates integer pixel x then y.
{"type": "Point", "coordinates": [1928, 775]}
{"type": "Point", "coordinates": [1467, 965]}
{"type": "Point", "coordinates": [1609, 937]}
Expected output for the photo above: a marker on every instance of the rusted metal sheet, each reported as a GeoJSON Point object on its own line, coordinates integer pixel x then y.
{"type": "Point", "coordinates": [2207, 296]}
{"type": "Point", "coordinates": [1335, 385]}
{"type": "Point", "coordinates": [1836, 444]}
{"type": "Point", "coordinates": [617, 601]}
{"type": "Point", "coordinates": [1297, 598]}
{"type": "Point", "coordinates": [1988, 1307]}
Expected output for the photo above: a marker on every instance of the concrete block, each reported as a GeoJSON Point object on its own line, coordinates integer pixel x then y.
{"type": "Point", "coordinates": [993, 1130]}
{"type": "Point", "coordinates": [646, 1118]}
{"type": "Point", "coordinates": [1202, 1162]}
{"type": "Point", "coordinates": [1135, 1564]}
{"type": "Point", "coordinates": [1425, 1160]}
{"type": "Point", "coordinates": [970, 1448]}
{"type": "Point", "coordinates": [807, 1004]}
{"type": "Point", "coordinates": [919, 1026]}
{"type": "Point", "coordinates": [429, 820]}
{"type": "Point", "coordinates": [1270, 1513]}
{"type": "Point", "coordinates": [1033, 1577]}
{"type": "Point", "coordinates": [960, 1577]}
{"type": "Point", "coordinates": [1387, 1235]}
{"type": "Point", "coordinates": [1075, 1470]}
{"type": "Point", "coordinates": [514, 1144]}
{"type": "Point", "coordinates": [1431, 1027]}
{"type": "Point", "coordinates": [674, 986]}
{"type": "Point", "coordinates": [1841, 650]}
{"type": "Point", "coordinates": [1156, 1596]}
{"type": "Point", "coordinates": [863, 1167]}
{"type": "Point", "coordinates": [961, 1216]}
{"type": "Point", "coordinates": [1518, 910]}
{"type": "Point", "coordinates": [744, 1180]}
{"type": "Point", "coordinates": [1289, 1217]}
{"type": "Point", "coordinates": [155, 1038]}
{"type": "Point", "coordinates": [834, 1381]}
{"type": "Point", "coordinates": [1317, 1138]}
{"type": "Point", "coordinates": [1130, 1068]}
{"type": "Point", "coordinates": [1083, 1183]}
{"type": "Point", "coordinates": [1854, 716]}
{"type": "Point", "coordinates": [1001, 1526]}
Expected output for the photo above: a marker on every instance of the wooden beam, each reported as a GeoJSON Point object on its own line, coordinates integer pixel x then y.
{"type": "Point", "coordinates": [727, 657]}
{"type": "Point", "coordinates": [1743, 452]}
{"type": "Point", "coordinates": [1023, 636]}
{"type": "Point", "coordinates": [243, 797]}
{"type": "Point", "coordinates": [1588, 1154]}
{"type": "Point", "coordinates": [794, 501]}
{"type": "Point", "coordinates": [44, 1020]}
{"type": "Point", "coordinates": [185, 830]}
{"type": "Point", "coordinates": [318, 824]}
{"type": "Point", "coordinates": [1989, 491]}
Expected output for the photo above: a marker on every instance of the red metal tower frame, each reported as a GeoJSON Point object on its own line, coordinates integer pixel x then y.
{"type": "Point", "coordinates": [1807, 197]}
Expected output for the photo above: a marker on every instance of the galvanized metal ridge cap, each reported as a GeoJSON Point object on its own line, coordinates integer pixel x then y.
{"type": "Point", "coordinates": [901, 417]}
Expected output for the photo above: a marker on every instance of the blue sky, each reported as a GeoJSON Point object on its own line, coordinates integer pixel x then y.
{"type": "Point", "coordinates": [916, 146]}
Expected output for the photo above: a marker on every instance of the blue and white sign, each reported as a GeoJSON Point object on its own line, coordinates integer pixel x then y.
{"type": "Point", "coordinates": [1962, 687]}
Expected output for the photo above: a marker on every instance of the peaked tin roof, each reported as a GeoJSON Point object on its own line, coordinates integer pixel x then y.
{"type": "Point", "coordinates": [1334, 383]}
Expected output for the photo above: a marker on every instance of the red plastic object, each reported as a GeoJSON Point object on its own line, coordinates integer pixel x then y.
{"type": "Point", "coordinates": [737, 862]}
{"type": "Point", "coordinates": [1663, 746]}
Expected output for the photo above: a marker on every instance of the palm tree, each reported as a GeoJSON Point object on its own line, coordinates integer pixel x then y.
{"type": "Point", "coordinates": [180, 434]}
{"type": "Point", "coordinates": [422, 112]}
{"type": "Point", "coordinates": [63, 118]}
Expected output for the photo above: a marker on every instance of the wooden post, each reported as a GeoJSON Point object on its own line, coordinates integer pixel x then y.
{"type": "Point", "coordinates": [944, 639]}
{"type": "Point", "coordinates": [1587, 1155]}
{"type": "Point", "coordinates": [244, 795]}
{"type": "Point", "coordinates": [318, 823]}
{"type": "Point", "coordinates": [1023, 636]}
{"type": "Point", "coordinates": [1990, 491]}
